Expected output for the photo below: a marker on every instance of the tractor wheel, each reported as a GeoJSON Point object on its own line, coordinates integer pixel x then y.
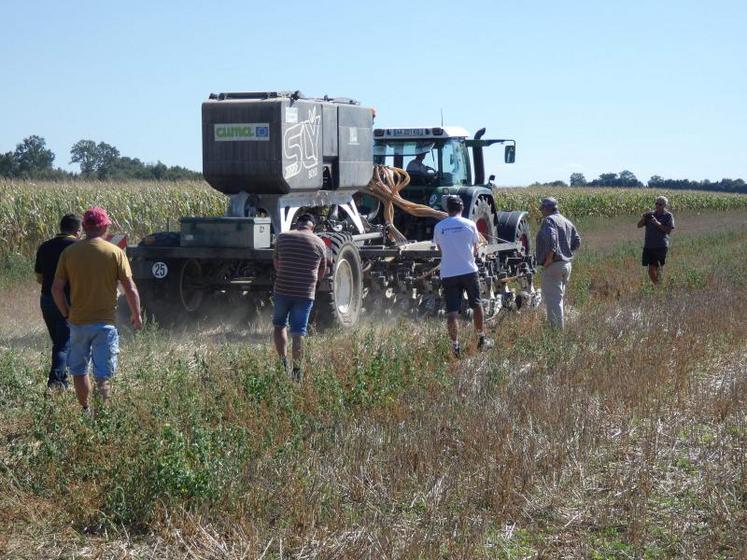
{"type": "Point", "coordinates": [341, 306]}
{"type": "Point", "coordinates": [191, 291]}
{"type": "Point", "coordinates": [482, 214]}
{"type": "Point", "coordinates": [174, 299]}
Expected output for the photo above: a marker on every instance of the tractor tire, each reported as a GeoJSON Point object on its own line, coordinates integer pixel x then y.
{"type": "Point", "coordinates": [514, 227]}
{"type": "Point", "coordinates": [484, 217]}
{"type": "Point", "coordinates": [190, 291]}
{"type": "Point", "coordinates": [341, 305]}
{"type": "Point", "coordinates": [177, 299]}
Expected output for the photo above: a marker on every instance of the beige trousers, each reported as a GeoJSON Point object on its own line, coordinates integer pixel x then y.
{"type": "Point", "coordinates": [554, 279]}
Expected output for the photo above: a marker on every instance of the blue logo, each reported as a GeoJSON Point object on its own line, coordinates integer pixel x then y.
{"type": "Point", "coordinates": [263, 131]}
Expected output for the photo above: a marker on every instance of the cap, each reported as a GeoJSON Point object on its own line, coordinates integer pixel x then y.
{"type": "Point", "coordinates": [452, 202]}
{"type": "Point", "coordinates": [96, 217]}
{"type": "Point", "coordinates": [549, 202]}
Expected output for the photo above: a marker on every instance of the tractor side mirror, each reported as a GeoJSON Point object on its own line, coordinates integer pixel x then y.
{"type": "Point", "coordinates": [509, 155]}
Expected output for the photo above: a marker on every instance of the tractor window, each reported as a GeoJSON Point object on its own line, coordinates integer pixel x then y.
{"type": "Point", "coordinates": [454, 167]}
{"type": "Point", "coordinates": [384, 152]}
{"type": "Point", "coordinates": [435, 163]}
{"type": "Point", "coordinates": [420, 159]}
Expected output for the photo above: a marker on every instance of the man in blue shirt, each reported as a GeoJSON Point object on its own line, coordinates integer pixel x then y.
{"type": "Point", "coordinates": [557, 240]}
{"type": "Point", "coordinates": [457, 238]}
{"type": "Point", "coordinates": [659, 224]}
{"type": "Point", "coordinates": [46, 264]}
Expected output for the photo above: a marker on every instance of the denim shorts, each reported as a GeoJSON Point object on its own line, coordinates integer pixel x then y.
{"type": "Point", "coordinates": [99, 341]}
{"type": "Point", "coordinates": [296, 309]}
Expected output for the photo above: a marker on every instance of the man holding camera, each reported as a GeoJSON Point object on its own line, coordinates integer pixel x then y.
{"type": "Point", "coordinates": [659, 223]}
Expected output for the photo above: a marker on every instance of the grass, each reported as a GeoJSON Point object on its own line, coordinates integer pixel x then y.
{"type": "Point", "coordinates": [623, 437]}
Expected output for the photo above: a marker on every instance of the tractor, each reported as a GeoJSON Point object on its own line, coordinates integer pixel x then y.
{"type": "Point", "coordinates": [276, 155]}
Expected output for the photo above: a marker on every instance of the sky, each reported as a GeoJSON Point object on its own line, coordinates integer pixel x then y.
{"type": "Point", "coordinates": [655, 87]}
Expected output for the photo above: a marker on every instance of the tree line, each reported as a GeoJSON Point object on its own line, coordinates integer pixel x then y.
{"type": "Point", "coordinates": [98, 161]}
{"type": "Point", "coordinates": [627, 179]}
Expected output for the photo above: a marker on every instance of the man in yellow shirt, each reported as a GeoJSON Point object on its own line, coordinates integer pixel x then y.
{"type": "Point", "coordinates": [92, 268]}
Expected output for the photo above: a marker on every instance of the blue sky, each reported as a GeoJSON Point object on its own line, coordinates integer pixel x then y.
{"type": "Point", "coordinates": [656, 87]}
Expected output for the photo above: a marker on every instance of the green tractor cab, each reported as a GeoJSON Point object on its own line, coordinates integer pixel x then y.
{"type": "Point", "coordinates": [438, 162]}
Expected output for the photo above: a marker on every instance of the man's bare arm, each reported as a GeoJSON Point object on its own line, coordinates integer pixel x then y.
{"type": "Point", "coordinates": [133, 302]}
{"type": "Point", "coordinates": [549, 258]}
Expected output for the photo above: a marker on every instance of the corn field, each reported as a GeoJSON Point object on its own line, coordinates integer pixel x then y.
{"type": "Point", "coordinates": [30, 211]}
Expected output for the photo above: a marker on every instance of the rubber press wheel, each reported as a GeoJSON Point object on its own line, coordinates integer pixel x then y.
{"type": "Point", "coordinates": [524, 236]}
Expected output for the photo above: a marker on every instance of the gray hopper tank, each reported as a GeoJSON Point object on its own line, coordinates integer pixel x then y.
{"type": "Point", "coordinates": [280, 143]}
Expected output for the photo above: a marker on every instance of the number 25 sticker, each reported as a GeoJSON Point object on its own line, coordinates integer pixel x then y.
{"type": "Point", "coordinates": [160, 269]}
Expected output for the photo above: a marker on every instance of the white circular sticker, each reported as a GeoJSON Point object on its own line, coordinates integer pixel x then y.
{"type": "Point", "coordinates": [160, 269]}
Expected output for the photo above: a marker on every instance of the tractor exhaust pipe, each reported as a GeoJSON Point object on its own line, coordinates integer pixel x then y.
{"type": "Point", "coordinates": [478, 160]}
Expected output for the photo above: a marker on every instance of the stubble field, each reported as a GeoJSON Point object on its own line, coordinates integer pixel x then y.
{"type": "Point", "coordinates": [623, 437]}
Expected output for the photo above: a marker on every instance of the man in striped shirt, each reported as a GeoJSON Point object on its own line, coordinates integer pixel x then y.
{"type": "Point", "coordinates": [300, 260]}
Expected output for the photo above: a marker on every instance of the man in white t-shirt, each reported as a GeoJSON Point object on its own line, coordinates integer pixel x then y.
{"type": "Point", "coordinates": [458, 239]}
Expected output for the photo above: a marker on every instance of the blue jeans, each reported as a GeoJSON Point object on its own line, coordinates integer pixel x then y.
{"type": "Point", "coordinates": [60, 335]}
{"type": "Point", "coordinates": [296, 309]}
{"type": "Point", "coordinates": [99, 341]}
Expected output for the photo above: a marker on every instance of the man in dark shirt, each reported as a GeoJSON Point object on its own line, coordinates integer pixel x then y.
{"type": "Point", "coordinates": [659, 224]}
{"type": "Point", "coordinates": [46, 263]}
{"type": "Point", "coordinates": [300, 260]}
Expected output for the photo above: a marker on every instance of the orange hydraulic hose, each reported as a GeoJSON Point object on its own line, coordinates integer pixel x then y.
{"type": "Point", "coordinates": [385, 185]}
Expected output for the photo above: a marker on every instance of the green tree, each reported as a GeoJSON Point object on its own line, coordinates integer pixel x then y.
{"type": "Point", "coordinates": [578, 180]}
{"type": "Point", "coordinates": [628, 179]}
{"type": "Point", "coordinates": [83, 152]}
{"type": "Point", "coordinates": [97, 160]}
{"type": "Point", "coordinates": [107, 157]}
{"type": "Point", "coordinates": [8, 165]}
{"type": "Point", "coordinates": [159, 171]}
{"type": "Point", "coordinates": [655, 181]}
{"type": "Point", "coordinates": [33, 157]}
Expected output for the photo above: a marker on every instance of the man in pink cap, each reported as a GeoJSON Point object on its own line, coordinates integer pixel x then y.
{"type": "Point", "coordinates": [92, 268]}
